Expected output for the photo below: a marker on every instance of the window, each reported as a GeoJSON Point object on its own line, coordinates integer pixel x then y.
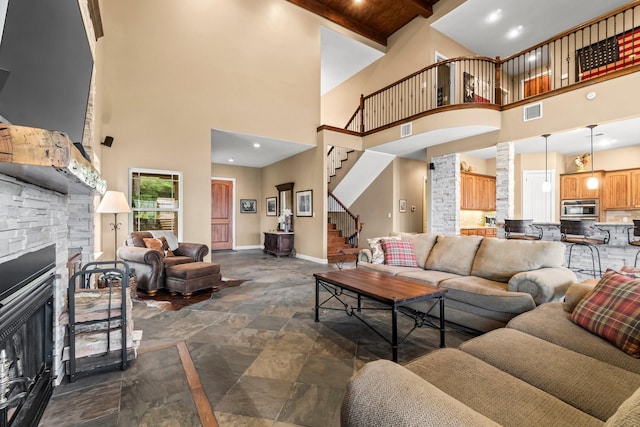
{"type": "Point", "coordinates": [156, 199]}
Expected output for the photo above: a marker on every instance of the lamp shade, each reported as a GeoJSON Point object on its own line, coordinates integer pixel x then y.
{"type": "Point", "coordinates": [113, 202]}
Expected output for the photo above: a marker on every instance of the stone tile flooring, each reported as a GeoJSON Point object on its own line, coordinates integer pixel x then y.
{"type": "Point", "coordinates": [252, 355]}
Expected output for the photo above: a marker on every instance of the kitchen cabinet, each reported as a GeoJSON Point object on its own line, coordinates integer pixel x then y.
{"type": "Point", "coordinates": [621, 189]}
{"type": "Point", "coordinates": [477, 192]}
{"type": "Point", "coordinates": [480, 231]}
{"type": "Point", "coordinates": [574, 186]}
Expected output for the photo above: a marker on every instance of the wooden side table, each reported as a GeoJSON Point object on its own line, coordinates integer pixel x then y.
{"type": "Point", "coordinates": [278, 243]}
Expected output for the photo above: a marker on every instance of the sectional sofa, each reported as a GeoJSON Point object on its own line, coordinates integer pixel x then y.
{"type": "Point", "coordinates": [543, 369]}
{"type": "Point", "coordinates": [489, 280]}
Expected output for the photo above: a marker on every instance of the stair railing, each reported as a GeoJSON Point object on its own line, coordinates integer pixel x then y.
{"type": "Point", "coordinates": [335, 157]}
{"type": "Point", "coordinates": [344, 219]}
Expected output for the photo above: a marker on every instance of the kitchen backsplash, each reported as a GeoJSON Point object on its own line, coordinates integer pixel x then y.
{"type": "Point", "coordinates": [471, 219]}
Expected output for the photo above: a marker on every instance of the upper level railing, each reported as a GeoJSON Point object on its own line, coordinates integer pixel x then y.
{"type": "Point", "coordinates": [604, 48]}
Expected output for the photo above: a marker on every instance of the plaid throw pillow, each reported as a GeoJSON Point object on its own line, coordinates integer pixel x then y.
{"type": "Point", "coordinates": [399, 253]}
{"type": "Point", "coordinates": [612, 311]}
{"type": "Point", "coordinates": [377, 253]}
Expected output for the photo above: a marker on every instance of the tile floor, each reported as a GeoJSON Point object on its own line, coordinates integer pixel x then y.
{"type": "Point", "coordinates": [250, 356]}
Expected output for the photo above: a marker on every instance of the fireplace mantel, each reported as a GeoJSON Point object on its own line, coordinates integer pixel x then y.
{"type": "Point", "coordinates": [48, 159]}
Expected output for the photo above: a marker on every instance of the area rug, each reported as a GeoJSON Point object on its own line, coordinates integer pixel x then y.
{"type": "Point", "coordinates": [164, 300]}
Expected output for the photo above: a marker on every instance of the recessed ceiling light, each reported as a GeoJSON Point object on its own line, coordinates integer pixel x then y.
{"type": "Point", "coordinates": [515, 32]}
{"type": "Point", "coordinates": [256, 145]}
{"type": "Point", "coordinates": [494, 16]}
{"type": "Point", "coordinates": [231, 160]}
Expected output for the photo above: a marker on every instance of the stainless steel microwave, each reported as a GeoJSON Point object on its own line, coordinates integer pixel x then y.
{"type": "Point", "coordinates": [581, 209]}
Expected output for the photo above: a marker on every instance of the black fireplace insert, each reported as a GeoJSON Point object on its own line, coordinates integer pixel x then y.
{"type": "Point", "coordinates": [26, 337]}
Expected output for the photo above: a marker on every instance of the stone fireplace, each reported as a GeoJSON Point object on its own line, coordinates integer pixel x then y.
{"type": "Point", "coordinates": [47, 192]}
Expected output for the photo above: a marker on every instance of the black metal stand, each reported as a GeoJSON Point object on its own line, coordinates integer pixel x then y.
{"type": "Point", "coordinates": [108, 272]}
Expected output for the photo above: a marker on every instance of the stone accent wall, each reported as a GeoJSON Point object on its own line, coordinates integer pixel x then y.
{"type": "Point", "coordinates": [445, 195]}
{"type": "Point", "coordinates": [505, 183]}
{"type": "Point", "coordinates": [32, 218]}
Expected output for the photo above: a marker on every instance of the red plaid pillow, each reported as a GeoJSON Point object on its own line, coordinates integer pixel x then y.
{"type": "Point", "coordinates": [612, 311]}
{"type": "Point", "coordinates": [399, 253]}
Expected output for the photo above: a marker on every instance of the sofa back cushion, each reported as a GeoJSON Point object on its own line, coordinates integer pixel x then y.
{"type": "Point", "coordinates": [137, 238]}
{"type": "Point", "coordinates": [500, 259]}
{"type": "Point", "coordinates": [453, 254]}
{"type": "Point", "coordinates": [422, 244]}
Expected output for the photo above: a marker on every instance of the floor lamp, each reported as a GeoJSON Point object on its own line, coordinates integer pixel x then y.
{"type": "Point", "coordinates": [114, 202]}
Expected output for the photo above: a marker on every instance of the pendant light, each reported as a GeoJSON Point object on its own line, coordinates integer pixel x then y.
{"type": "Point", "coordinates": [546, 185]}
{"type": "Point", "coordinates": [592, 182]}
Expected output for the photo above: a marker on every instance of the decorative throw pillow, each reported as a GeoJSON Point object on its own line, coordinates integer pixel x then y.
{"type": "Point", "coordinates": [612, 311]}
{"type": "Point", "coordinates": [399, 253]}
{"type": "Point", "coordinates": [377, 253]}
{"type": "Point", "coordinates": [165, 246]}
{"type": "Point", "coordinates": [630, 270]}
{"type": "Point", "coordinates": [154, 244]}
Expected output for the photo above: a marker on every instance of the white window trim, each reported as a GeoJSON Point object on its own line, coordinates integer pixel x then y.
{"type": "Point", "coordinates": [180, 192]}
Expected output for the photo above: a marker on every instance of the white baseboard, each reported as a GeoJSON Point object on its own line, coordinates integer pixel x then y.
{"type": "Point", "coordinates": [246, 248]}
{"type": "Point", "coordinates": [312, 259]}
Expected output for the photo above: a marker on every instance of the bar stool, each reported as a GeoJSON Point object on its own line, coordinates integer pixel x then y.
{"type": "Point", "coordinates": [521, 229]}
{"type": "Point", "coordinates": [581, 232]}
{"type": "Point", "coordinates": [636, 240]}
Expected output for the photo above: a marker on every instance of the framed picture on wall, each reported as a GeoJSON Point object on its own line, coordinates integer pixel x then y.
{"type": "Point", "coordinates": [272, 206]}
{"type": "Point", "coordinates": [304, 203]}
{"type": "Point", "coordinates": [248, 206]}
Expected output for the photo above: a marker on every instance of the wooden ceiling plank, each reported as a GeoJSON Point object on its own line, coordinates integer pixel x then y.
{"type": "Point", "coordinates": [425, 7]}
{"type": "Point", "coordinates": [341, 19]}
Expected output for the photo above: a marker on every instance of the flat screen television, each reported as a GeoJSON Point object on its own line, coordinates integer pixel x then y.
{"type": "Point", "coordinates": [48, 64]}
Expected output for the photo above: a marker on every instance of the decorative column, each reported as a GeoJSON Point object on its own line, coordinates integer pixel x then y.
{"type": "Point", "coordinates": [445, 195]}
{"type": "Point", "coordinates": [505, 183]}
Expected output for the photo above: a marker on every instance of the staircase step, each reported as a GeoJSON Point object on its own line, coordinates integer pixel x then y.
{"type": "Point", "coordinates": [337, 240]}
{"type": "Point", "coordinates": [332, 259]}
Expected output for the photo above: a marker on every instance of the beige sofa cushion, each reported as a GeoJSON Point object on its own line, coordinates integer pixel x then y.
{"type": "Point", "coordinates": [576, 292]}
{"type": "Point", "coordinates": [581, 381]}
{"type": "Point", "coordinates": [500, 259]}
{"type": "Point", "coordinates": [495, 394]}
{"type": "Point", "coordinates": [488, 294]}
{"type": "Point", "coordinates": [550, 322]}
{"type": "Point", "coordinates": [453, 254]}
{"type": "Point", "coordinates": [628, 414]}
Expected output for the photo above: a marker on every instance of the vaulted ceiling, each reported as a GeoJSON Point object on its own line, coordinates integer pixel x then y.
{"type": "Point", "coordinates": [374, 19]}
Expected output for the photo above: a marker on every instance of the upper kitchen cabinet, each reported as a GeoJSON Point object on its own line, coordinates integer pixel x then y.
{"type": "Point", "coordinates": [574, 186]}
{"type": "Point", "coordinates": [621, 189]}
{"type": "Point", "coordinates": [477, 192]}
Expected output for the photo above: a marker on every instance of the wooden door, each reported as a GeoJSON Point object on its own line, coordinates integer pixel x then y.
{"type": "Point", "coordinates": [537, 85]}
{"type": "Point", "coordinates": [221, 215]}
{"type": "Point", "coordinates": [443, 87]}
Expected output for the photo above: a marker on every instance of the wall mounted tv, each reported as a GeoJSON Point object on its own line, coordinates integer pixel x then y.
{"type": "Point", "coordinates": [48, 63]}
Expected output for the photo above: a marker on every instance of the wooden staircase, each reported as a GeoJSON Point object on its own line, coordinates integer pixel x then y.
{"type": "Point", "coordinates": [337, 242]}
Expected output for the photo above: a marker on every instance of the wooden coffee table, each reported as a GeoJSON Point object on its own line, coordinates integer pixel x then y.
{"type": "Point", "coordinates": [394, 292]}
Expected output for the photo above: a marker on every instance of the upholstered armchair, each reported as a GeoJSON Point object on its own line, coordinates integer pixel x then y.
{"type": "Point", "coordinates": [150, 263]}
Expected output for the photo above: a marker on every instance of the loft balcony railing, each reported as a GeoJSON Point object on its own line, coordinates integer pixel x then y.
{"type": "Point", "coordinates": [604, 48]}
